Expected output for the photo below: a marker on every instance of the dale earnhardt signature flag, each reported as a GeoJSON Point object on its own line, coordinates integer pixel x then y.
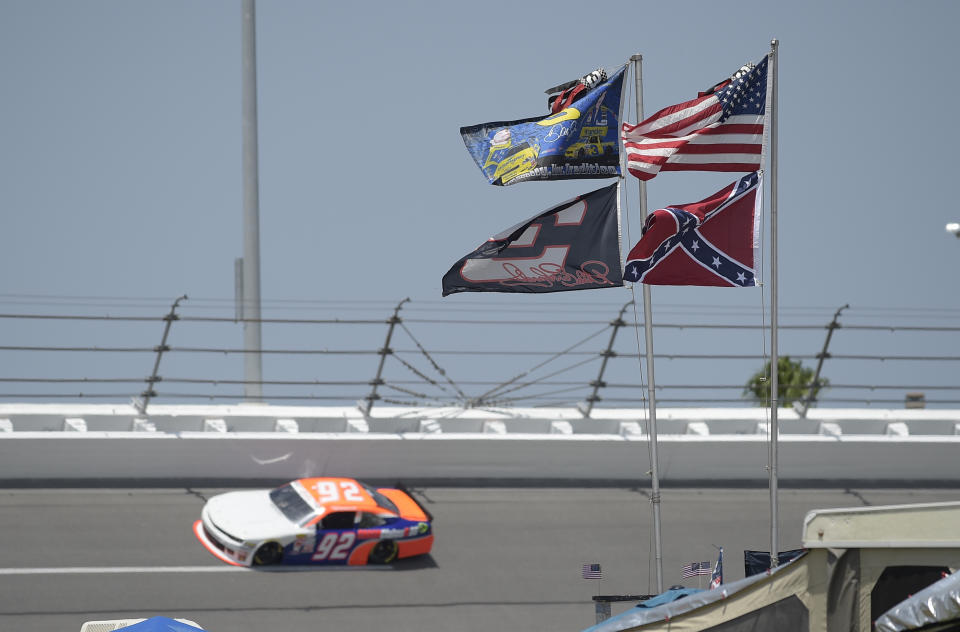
{"type": "Point", "coordinates": [571, 246]}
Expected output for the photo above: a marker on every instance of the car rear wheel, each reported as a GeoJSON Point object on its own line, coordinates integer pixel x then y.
{"type": "Point", "coordinates": [384, 552]}
{"type": "Point", "coordinates": [269, 553]}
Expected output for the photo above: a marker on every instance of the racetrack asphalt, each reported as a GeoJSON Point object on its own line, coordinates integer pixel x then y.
{"type": "Point", "coordinates": [504, 558]}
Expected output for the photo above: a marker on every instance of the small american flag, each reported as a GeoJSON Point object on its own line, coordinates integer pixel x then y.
{"type": "Point", "coordinates": [592, 571]}
{"type": "Point", "coordinates": [721, 130]}
{"type": "Point", "coordinates": [696, 568]}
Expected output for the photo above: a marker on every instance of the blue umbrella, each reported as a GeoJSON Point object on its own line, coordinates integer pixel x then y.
{"type": "Point", "coordinates": [160, 624]}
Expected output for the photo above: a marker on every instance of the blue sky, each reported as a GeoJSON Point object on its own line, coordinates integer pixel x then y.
{"type": "Point", "coordinates": [120, 175]}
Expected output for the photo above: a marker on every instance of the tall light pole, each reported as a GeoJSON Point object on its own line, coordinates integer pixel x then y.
{"type": "Point", "coordinates": [954, 227]}
{"type": "Point", "coordinates": [249, 286]}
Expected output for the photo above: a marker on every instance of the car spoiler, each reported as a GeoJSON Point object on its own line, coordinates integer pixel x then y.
{"type": "Point", "coordinates": [406, 490]}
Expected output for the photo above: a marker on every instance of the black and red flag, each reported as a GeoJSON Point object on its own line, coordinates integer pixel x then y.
{"type": "Point", "coordinates": [711, 242]}
{"type": "Point", "coordinates": [571, 246]}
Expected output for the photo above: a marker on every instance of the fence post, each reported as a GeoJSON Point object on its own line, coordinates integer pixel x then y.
{"type": "Point", "coordinates": [384, 352]}
{"type": "Point", "coordinates": [587, 407]}
{"type": "Point", "coordinates": [141, 404]}
{"type": "Point", "coordinates": [805, 406]}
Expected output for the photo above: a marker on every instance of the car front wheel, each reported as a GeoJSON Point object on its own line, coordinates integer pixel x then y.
{"type": "Point", "coordinates": [384, 552]}
{"type": "Point", "coordinates": [269, 553]}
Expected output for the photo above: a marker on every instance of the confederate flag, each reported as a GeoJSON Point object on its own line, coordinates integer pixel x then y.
{"type": "Point", "coordinates": [711, 242]}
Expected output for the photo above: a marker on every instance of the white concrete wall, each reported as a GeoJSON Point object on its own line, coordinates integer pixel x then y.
{"type": "Point", "coordinates": [59, 443]}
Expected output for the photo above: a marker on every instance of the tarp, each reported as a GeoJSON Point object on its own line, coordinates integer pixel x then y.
{"type": "Point", "coordinates": [937, 603]}
{"type": "Point", "coordinates": [669, 610]}
{"type": "Point", "coordinates": [666, 597]}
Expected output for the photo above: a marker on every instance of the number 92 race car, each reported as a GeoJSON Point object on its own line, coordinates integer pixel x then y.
{"type": "Point", "coordinates": [315, 521]}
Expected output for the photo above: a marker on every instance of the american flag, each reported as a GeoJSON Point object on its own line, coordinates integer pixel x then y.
{"type": "Point", "coordinates": [695, 568]}
{"type": "Point", "coordinates": [721, 130]}
{"type": "Point", "coordinates": [592, 571]}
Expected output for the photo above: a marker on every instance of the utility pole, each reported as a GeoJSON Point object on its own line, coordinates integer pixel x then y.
{"type": "Point", "coordinates": [250, 267]}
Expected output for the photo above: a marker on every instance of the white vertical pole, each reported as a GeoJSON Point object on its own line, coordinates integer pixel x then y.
{"type": "Point", "coordinates": [252, 360]}
{"type": "Point", "coordinates": [648, 335]}
{"type": "Point", "coordinates": [774, 308]}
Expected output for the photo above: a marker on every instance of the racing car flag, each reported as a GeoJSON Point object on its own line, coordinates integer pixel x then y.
{"type": "Point", "coordinates": [720, 130]}
{"type": "Point", "coordinates": [578, 141]}
{"type": "Point", "coordinates": [711, 242]}
{"type": "Point", "coordinates": [717, 577]}
{"type": "Point", "coordinates": [572, 246]}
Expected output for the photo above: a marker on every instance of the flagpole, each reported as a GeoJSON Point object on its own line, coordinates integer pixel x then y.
{"type": "Point", "coordinates": [648, 336]}
{"type": "Point", "coordinates": [774, 303]}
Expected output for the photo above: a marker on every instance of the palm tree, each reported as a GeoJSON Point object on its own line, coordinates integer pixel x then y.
{"type": "Point", "coordinates": [793, 383]}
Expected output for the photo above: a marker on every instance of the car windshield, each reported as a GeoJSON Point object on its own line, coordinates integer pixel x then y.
{"type": "Point", "coordinates": [380, 499]}
{"type": "Point", "coordinates": [291, 504]}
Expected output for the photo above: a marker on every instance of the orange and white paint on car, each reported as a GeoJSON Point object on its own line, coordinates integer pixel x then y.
{"type": "Point", "coordinates": [361, 553]}
{"type": "Point", "coordinates": [331, 492]}
{"type": "Point", "coordinates": [408, 507]}
{"type": "Point", "coordinates": [217, 553]}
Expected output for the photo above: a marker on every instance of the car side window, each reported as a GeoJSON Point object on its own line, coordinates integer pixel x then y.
{"type": "Point", "coordinates": [367, 519]}
{"type": "Point", "coordinates": [338, 520]}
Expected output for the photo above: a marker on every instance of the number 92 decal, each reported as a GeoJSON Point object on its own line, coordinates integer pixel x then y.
{"type": "Point", "coordinates": [334, 546]}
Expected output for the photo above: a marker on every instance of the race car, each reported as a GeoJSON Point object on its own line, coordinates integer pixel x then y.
{"type": "Point", "coordinates": [518, 160]}
{"type": "Point", "coordinates": [315, 521]}
{"type": "Point", "coordinates": [589, 147]}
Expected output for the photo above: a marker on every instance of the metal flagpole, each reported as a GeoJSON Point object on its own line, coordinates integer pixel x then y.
{"type": "Point", "coordinates": [252, 360]}
{"type": "Point", "coordinates": [774, 359]}
{"type": "Point", "coordinates": [648, 335]}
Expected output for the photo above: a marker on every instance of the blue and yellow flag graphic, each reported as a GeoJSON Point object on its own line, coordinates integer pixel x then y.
{"type": "Point", "coordinates": [579, 141]}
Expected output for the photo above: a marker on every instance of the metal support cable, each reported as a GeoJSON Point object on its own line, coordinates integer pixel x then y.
{"type": "Point", "coordinates": [552, 357]}
{"type": "Point", "coordinates": [420, 374]}
{"type": "Point", "coordinates": [538, 323]}
{"type": "Point", "coordinates": [543, 382]}
{"type": "Point", "coordinates": [400, 402]}
{"type": "Point", "coordinates": [545, 394]}
{"type": "Point", "coordinates": [436, 366]}
{"type": "Point", "coordinates": [543, 400]}
{"type": "Point", "coordinates": [540, 382]}
{"type": "Point", "coordinates": [80, 349]}
{"type": "Point", "coordinates": [483, 352]}
{"type": "Point", "coordinates": [407, 391]}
